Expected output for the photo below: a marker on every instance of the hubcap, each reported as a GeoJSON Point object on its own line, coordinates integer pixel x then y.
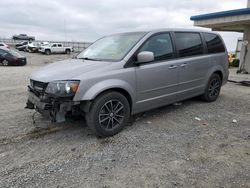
{"type": "Point", "coordinates": [214, 87]}
{"type": "Point", "coordinates": [5, 63]}
{"type": "Point", "coordinates": [111, 114]}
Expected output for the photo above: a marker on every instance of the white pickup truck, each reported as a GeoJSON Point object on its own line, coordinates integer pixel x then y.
{"type": "Point", "coordinates": [55, 48]}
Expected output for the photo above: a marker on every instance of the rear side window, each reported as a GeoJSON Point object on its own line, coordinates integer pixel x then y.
{"type": "Point", "coordinates": [1, 44]}
{"type": "Point", "coordinates": [59, 45]}
{"type": "Point", "coordinates": [160, 45]}
{"type": "Point", "coordinates": [214, 43]}
{"type": "Point", "coordinates": [189, 44]}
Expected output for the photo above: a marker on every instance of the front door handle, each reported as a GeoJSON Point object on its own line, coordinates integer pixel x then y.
{"type": "Point", "coordinates": [184, 65]}
{"type": "Point", "coordinates": [172, 67]}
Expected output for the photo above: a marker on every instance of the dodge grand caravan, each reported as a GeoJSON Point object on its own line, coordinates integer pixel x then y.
{"type": "Point", "coordinates": [124, 74]}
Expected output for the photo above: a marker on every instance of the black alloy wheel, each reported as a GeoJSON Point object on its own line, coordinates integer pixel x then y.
{"type": "Point", "coordinates": [108, 114]}
{"type": "Point", "coordinates": [213, 87]}
{"type": "Point", "coordinates": [111, 114]}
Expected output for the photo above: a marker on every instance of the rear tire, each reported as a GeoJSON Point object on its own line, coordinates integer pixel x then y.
{"type": "Point", "coordinates": [213, 87]}
{"type": "Point", "coordinates": [47, 52]}
{"type": "Point", "coordinates": [67, 51]}
{"type": "Point", "coordinates": [108, 114]}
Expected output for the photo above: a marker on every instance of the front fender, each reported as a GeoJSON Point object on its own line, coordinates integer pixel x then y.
{"type": "Point", "coordinates": [102, 86]}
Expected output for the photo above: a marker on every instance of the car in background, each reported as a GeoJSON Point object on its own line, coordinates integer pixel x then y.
{"type": "Point", "coordinates": [23, 37]}
{"type": "Point", "coordinates": [34, 46]}
{"type": "Point", "coordinates": [55, 48]}
{"type": "Point", "coordinates": [2, 44]}
{"type": "Point", "coordinates": [21, 44]}
{"type": "Point", "coordinates": [23, 47]}
{"type": "Point", "coordinates": [11, 57]}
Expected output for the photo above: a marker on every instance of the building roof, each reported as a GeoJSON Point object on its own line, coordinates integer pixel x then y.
{"type": "Point", "coordinates": [221, 14]}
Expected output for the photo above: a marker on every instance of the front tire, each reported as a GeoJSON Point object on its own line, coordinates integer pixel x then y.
{"type": "Point", "coordinates": [213, 87]}
{"type": "Point", "coordinates": [108, 114]}
{"type": "Point", "coordinates": [5, 63]}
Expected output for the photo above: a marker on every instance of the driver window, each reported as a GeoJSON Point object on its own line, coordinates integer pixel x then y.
{"type": "Point", "coordinates": [160, 45]}
{"type": "Point", "coordinates": [54, 45]}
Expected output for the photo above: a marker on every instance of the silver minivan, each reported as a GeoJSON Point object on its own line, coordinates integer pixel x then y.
{"type": "Point", "coordinates": [124, 74]}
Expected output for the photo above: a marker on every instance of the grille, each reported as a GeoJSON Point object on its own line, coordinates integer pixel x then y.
{"type": "Point", "coordinates": [38, 87]}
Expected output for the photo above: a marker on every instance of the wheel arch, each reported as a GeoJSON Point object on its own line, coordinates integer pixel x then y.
{"type": "Point", "coordinates": [121, 91]}
{"type": "Point", "coordinates": [219, 72]}
{"type": "Point", "coordinates": [216, 69]}
{"type": "Point", "coordinates": [103, 87]}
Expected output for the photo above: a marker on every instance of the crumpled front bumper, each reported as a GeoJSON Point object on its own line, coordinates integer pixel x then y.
{"type": "Point", "coordinates": [55, 108]}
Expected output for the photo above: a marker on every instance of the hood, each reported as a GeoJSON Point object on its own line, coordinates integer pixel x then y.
{"type": "Point", "coordinates": [67, 70]}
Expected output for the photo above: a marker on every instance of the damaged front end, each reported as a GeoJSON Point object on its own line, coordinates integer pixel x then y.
{"type": "Point", "coordinates": [54, 99]}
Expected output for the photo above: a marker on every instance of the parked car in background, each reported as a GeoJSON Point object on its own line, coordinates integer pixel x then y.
{"type": "Point", "coordinates": [23, 37]}
{"type": "Point", "coordinates": [11, 57]}
{"type": "Point", "coordinates": [2, 44]}
{"type": "Point", "coordinates": [34, 46]}
{"type": "Point", "coordinates": [128, 73]}
{"type": "Point", "coordinates": [23, 46]}
{"type": "Point", "coordinates": [55, 48]}
{"type": "Point", "coordinates": [44, 43]}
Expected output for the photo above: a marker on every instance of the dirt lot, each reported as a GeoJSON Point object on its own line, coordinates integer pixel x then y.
{"type": "Point", "coordinates": [166, 147]}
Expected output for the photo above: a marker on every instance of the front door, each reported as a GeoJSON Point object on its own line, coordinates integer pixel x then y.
{"type": "Point", "coordinates": [157, 80]}
{"type": "Point", "coordinates": [54, 48]}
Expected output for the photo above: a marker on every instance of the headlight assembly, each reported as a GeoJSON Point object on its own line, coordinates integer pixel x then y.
{"type": "Point", "coordinates": [62, 88]}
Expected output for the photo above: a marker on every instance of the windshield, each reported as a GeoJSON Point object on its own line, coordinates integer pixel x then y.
{"type": "Point", "coordinates": [111, 48]}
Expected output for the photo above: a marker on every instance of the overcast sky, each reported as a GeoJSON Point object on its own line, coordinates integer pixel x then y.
{"type": "Point", "coordinates": [87, 20]}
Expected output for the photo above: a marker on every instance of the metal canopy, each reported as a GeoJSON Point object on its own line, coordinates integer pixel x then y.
{"type": "Point", "coordinates": [232, 20]}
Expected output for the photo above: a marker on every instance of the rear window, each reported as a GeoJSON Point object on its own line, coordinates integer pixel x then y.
{"type": "Point", "coordinates": [214, 43]}
{"type": "Point", "coordinates": [189, 44]}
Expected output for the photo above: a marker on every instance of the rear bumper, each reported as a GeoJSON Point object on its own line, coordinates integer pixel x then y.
{"type": "Point", "coordinates": [56, 108]}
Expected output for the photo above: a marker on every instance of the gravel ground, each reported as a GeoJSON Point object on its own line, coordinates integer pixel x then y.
{"type": "Point", "coordinates": [165, 147]}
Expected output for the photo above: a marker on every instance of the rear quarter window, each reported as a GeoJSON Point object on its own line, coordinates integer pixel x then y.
{"type": "Point", "coordinates": [214, 43]}
{"type": "Point", "coordinates": [189, 44]}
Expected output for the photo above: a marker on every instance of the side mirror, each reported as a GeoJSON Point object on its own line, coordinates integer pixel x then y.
{"type": "Point", "coordinates": [145, 57]}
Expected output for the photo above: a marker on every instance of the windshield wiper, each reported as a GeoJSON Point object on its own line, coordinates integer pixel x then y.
{"type": "Point", "coordinates": [91, 59]}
